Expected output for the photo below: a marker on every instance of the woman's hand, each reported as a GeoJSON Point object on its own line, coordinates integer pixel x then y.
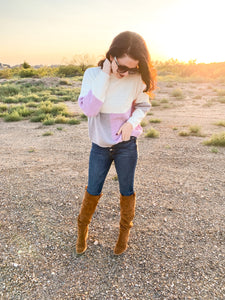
{"type": "Point", "coordinates": [125, 130]}
{"type": "Point", "coordinates": [107, 67]}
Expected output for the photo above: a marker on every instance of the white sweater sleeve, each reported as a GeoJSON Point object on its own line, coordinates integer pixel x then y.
{"type": "Point", "coordinates": [141, 106]}
{"type": "Point", "coordinates": [92, 96]}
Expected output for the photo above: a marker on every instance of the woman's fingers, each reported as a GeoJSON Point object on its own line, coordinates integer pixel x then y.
{"type": "Point", "coordinates": [126, 130]}
{"type": "Point", "coordinates": [107, 66]}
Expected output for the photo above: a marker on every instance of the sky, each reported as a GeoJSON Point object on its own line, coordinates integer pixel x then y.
{"type": "Point", "coordinates": [55, 31]}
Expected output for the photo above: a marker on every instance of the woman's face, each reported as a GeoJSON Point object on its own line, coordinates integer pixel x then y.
{"type": "Point", "coordinates": [126, 61]}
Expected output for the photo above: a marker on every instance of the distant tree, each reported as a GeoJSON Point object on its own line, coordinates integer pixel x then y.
{"type": "Point", "coordinates": [84, 61]}
{"type": "Point", "coordinates": [25, 65]}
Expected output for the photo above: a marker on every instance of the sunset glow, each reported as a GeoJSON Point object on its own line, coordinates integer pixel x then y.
{"type": "Point", "coordinates": [52, 32]}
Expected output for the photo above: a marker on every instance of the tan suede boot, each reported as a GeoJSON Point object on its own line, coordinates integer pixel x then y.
{"type": "Point", "coordinates": [86, 212]}
{"type": "Point", "coordinates": [127, 211]}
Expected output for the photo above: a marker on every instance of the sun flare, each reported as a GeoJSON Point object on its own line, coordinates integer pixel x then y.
{"type": "Point", "coordinates": [188, 31]}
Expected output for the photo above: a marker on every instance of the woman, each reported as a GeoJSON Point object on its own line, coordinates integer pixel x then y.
{"type": "Point", "coordinates": [115, 97]}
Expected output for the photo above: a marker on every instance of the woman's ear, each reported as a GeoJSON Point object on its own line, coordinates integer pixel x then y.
{"type": "Point", "coordinates": [111, 58]}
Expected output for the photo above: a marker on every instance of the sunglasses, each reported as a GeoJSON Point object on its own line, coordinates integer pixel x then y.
{"type": "Point", "coordinates": [124, 69]}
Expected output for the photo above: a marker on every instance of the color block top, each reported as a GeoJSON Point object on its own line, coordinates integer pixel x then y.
{"type": "Point", "coordinates": [109, 102]}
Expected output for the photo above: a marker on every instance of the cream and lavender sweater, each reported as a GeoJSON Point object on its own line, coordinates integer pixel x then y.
{"type": "Point", "coordinates": [109, 102]}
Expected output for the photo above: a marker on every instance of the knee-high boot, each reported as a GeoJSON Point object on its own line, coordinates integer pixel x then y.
{"type": "Point", "coordinates": [127, 211]}
{"type": "Point", "coordinates": [86, 212]}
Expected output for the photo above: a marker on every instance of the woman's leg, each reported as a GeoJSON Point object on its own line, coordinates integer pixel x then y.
{"type": "Point", "coordinates": [125, 162]}
{"type": "Point", "coordinates": [125, 158]}
{"type": "Point", "coordinates": [99, 164]}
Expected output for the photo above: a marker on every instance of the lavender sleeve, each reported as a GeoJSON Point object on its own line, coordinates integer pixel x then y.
{"type": "Point", "coordinates": [94, 85]}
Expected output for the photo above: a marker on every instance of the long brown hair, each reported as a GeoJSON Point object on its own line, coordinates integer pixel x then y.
{"type": "Point", "coordinates": [134, 45]}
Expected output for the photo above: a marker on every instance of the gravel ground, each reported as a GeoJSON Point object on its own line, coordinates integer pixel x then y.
{"type": "Point", "coordinates": [177, 245]}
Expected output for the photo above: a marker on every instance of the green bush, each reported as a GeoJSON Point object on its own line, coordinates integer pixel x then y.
{"type": "Point", "coordinates": [184, 133]}
{"type": "Point", "coordinates": [12, 99]}
{"type": "Point", "coordinates": [12, 117]}
{"type": "Point", "coordinates": [3, 107]}
{"type": "Point", "coordinates": [143, 123]}
{"type": "Point", "coordinates": [8, 90]}
{"type": "Point", "coordinates": [6, 73]}
{"type": "Point", "coordinates": [47, 133]}
{"type": "Point", "coordinates": [61, 119]}
{"type": "Point", "coordinates": [73, 122]}
{"type": "Point", "coordinates": [25, 73]}
{"type": "Point", "coordinates": [38, 118]}
{"type": "Point", "coordinates": [84, 117]}
{"type": "Point", "coordinates": [177, 93]}
{"type": "Point", "coordinates": [217, 139]}
{"type": "Point", "coordinates": [70, 71]}
{"type": "Point", "coordinates": [220, 123]}
{"type": "Point", "coordinates": [25, 65]}
{"type": "Point", "coordinates": [155, 103]}
{"type": "Point", "coordinates": [221, 92]}
{"type": "Point", "coordinates": [152, 133]}
{"type": "Point", "coordinates": [195, 130]}
{"type": "Point", "coordinates": [155, 121]}
{"type": "Point", "coordinates": [49, 120]}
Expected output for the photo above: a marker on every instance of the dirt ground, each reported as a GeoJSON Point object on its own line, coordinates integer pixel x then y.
{"type": "Point", "coordinates": [177, 245]}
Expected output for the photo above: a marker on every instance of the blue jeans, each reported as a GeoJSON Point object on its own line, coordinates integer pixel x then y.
{"type": "Point", "coordinates": [124, 155]}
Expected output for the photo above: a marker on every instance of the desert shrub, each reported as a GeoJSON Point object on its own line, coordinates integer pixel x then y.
{"type": "Point", "coordinates": [164, 100]}
{"type": "Point", "coordinates": [152, 133]}
{"type": "Point", "coordinates": [25, 73]}
{"type": "Point", "coordinates": [12, 99]}
{"type": "Point", "coordinates": [64, 82]}
{"type": "Point", "coordinates": [177, 93]}
{"type": "Point", "coordinates": [221, 92]}
{"type": "Point", "coordinates": [66, 98]}
{"type": "Point", "coordinates": [49, 120]}
{"type": "Point", "coordinates": [37, 87]}
{"type": "Point", "coordinates": [214, 150]}
{"type": "Point", "coordinates": [53, 99]}
{"type": "Point", "coordinates": [219, 123]}
{"type": "Point", "coordinates": [194, 130]}
{"type": "Point", "coordinates": [3, 107]}
{"type": "Point", "coordinates": [6, 73]}
{"type": "Point", "coordinates": [73, 122]}
{"type": "Point", "coordinates": [47, 133]}
{"type": "Point", "coordinates": [7, 90]}
{"type": "Point", "coordinates": [45, 107]}
{"type": "Point", "coordinates": [221, 100]}
{"type": "Point", "coordinates": [61, 119]}
{"type": "Point", "coordinates": [155, 103]}
{"type": "Point", "coordinates": [143, 123]}
{"type": "Point", "coordinates": [60, 109]}
{"type": "Point", "coordinates": [184, 133]}
{"type": "Point", "coordinates": [38, 118]}
{"type": "Point", "coordinates": [84, 117]}
{"type": "Point", "coordinates": [155, 121]}
{"type": "Point", "coordinates": [23, 111]}
{"type": "Point", "coordinates": [12, 117]}
{"type": "Point", "coordinates": [60, 92]}
{"type": "Point", "coordinates": [217, 139]}
{"type": "Point", "coordinates": [25, 65]}
{"type": "Point", "coordinates": [70, 71]}
{"type": "Point", "coordinates": [47, 72]}
{"type": "Point", "coordinates": [33, 97]}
